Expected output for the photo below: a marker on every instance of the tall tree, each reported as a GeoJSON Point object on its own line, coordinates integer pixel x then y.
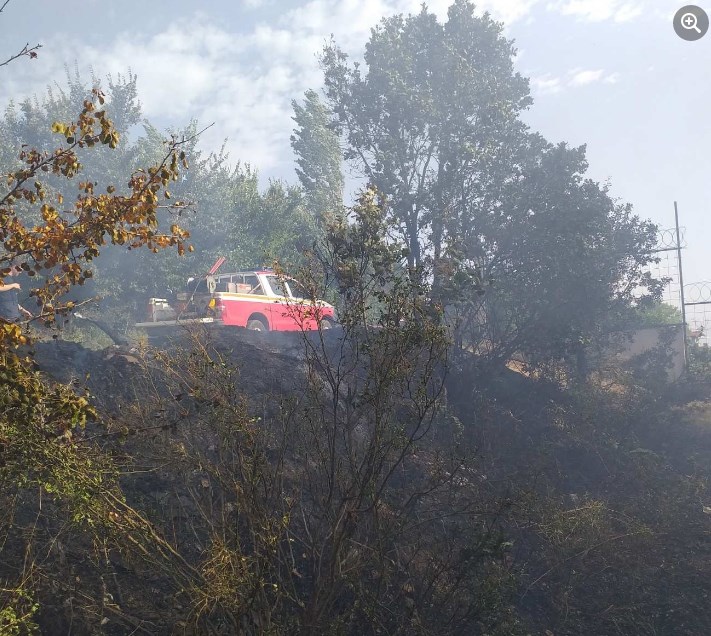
{"type": "Point", "coordinates": [318, 156]}
{"type": "Point", "coordinates": [433, 121]}
{"type": "Point", "coordinates": [433, 103]}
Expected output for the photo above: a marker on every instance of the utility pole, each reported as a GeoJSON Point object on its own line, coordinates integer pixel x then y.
{"type": "Point", "coordinates": [681, 287]}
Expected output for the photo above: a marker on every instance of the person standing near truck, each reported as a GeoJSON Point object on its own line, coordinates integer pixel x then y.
{"type": "Point", "coordinates": [10, 308]}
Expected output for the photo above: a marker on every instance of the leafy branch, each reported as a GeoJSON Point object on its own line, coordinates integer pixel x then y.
{"type": "Point", "coordinates": [66, 241]}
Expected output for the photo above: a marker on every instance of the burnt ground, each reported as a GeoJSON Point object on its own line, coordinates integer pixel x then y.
{"type": "Point", "coordinates": [610, 517]}
{"type": "Point", "coordinates": [115, 375]}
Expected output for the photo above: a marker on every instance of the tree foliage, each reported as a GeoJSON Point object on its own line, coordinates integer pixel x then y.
{"type": "Point", "coordinates": [238, 219]}
{"type": "Point", "coordinates": [527, 253]}
{"type": "Point", "coordinates": [560, 254]}
{"type": "Point", "coordinates": [656, 314]}
{"type": "Point", "coordinates": [434, 103]}
{"type": "Point", "coordinates": [318, 157]}
{"type": "Point", "coordinates": [66, 241]}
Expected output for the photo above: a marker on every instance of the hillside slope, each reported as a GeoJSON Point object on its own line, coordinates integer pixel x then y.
{"type": "Point", "coordinates": [587, 508]}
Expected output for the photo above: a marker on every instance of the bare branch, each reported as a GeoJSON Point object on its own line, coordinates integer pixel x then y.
{"type": "Point", "coordinates": [186, 140]}
{"type": "Point", "coordinates": [26, 50]}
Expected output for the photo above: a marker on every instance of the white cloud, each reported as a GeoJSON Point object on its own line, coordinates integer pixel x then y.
{"type": "Point", "coordinates": [508, 11]}
{"type": "Point", "coordinates": [584, 77]}
{"type": "Point", "coordinates": [628, 12]}
{"type": "Point", "coordinates": [195, 68]}
{"type": "Point", "coordinates": [581, 78]}
{"type": "Point", "coordinates": [349, 21]}
{"type": "Point", "coordinates": [666, 14]}
{"type": "Point", "coordinates": [598, 10]}
{"type": "Point", "coordinates": [546, 84]}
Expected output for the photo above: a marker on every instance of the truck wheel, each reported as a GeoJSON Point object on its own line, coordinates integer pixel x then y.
{"type": "Point", "coordinates": [256, 325]}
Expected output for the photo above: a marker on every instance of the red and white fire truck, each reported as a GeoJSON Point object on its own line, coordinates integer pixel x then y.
{"type": "Point", "coordinates": [256, 299]}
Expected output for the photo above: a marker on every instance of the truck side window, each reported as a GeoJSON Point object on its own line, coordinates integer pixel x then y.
{"type": "Point", "coordinates": [298, 290]}
{"type": "Point", "coordinates": [277, 286]}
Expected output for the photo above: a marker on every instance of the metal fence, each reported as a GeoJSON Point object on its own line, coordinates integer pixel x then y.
{"type": "Point", "coordinates": [697, 306]}
{"type": "Point", "coordinates": [693, 300]}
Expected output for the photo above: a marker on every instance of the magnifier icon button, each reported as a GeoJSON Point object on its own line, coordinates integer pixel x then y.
{"type": "Point", "coordinates": [690, 22]}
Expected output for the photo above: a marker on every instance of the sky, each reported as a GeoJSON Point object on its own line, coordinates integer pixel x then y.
{"type": "Point", "coordinates": [611, 74]}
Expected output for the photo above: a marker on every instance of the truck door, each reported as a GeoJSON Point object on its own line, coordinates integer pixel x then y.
{"type": "Point", "coordinates": [302, 305]}
{"type": "Point", "coordinates": [281, 306]}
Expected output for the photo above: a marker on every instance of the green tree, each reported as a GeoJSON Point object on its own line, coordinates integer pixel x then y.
{"type": "Point", "coordinates": [433, 104]}
{"type": "Point", "coordinates": [561, 255]}
{"type": "Point", "coordinates": [528, 254]}
{"type": "Point", "coordinates": [30, 122]}
{"type": "Point", "coordinates": [275, 225]}
{"type": "Point", "coordinates": [656, 314]}
{"type": "Point", "coordinates": [318, 156]}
